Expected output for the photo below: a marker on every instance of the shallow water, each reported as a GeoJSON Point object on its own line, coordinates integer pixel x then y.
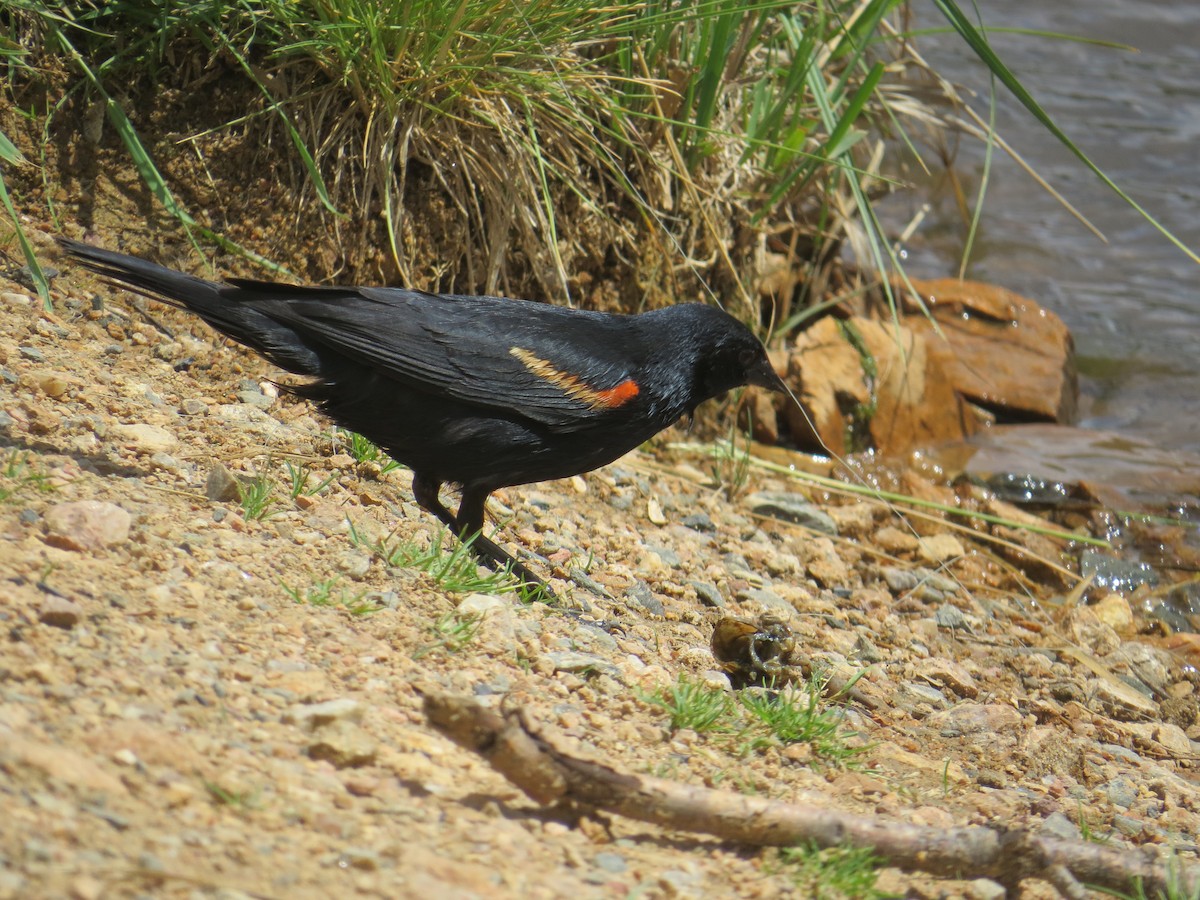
{"type": "Point", "coordinates": [1133, 304]}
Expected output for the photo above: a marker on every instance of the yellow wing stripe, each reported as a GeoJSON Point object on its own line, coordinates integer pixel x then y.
{"type": "Point", "coordinates": [573, 386]}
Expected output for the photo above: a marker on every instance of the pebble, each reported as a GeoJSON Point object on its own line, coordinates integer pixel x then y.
{"type": "Point", "coordinates": [32, 353]}
{"type": "Point", "coordinates": [221, 486]}
{"type": "Point", "coordinates": [701, 522]}
{"type": "Point", "coordinates": [16, 299]}
{"type": "Point", "coordinates": [895, 540]}
{"type": "Point", "coordinates": [1058, 825]}
{"type": "Point", "coordinates": [60, 612]}
{"type": "Point", "coordinates": [312, 716]}
{"type": "Point", "coordinates": [708, 594]}
{"type": "Point", "coordinates": [1114, 610]}
{"type": "Point", "coordinates": [193, 407]}
{"type": "Point", "coordinates": [1121, 792]}
{"type": "Point", "coordinates": [792, 508]}
{"type": "Point", "coordinates": [256, 399]}
{"type": "Point", "coordinates": [143, 438]}
{"type": "Point", "coordinates": [641, 594]}
{"type": "Point", "coordinates": [940, 548]}
{"type": "Point", "coordinates": [769, 600]}
{"type": "Point", "coordinates": [343, 744]}
{"type": "Point", "coordinates": [577, 663]}
{"type": "Point", "coordinates": [86, 525]}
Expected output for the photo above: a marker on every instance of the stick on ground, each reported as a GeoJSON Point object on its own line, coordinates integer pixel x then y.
{"type": "Point", "coordinates": [550, 772]}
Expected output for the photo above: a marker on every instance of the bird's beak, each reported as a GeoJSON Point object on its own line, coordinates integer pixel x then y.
{"type": "Point", "coordinates": [763, 375]}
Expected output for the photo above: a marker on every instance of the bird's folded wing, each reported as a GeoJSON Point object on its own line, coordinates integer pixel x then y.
{"type": "Point", "coordinates": [562, 368]}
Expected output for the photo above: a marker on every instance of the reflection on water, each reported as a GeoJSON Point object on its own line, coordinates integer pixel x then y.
{"type": "Point", "coordinates": [1133, 304]}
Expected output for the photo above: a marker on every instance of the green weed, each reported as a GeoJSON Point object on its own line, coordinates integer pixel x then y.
{"type": "Point", "coordinates": [836, 873]}
{"type": "Point", "coordinates": [257, 496]}
{"type": "Point", "coordinates": [452, 633]}
{"type": "Point", "coordinates": [693, 705]}
{"type": "Point", "coordinates": [321, 593]}
{"type": "Point", "coordinates": [18, 477]}
{"type": "Point", "coordinates": [454, 569]}
{"type": "Point", "coordinates": [300, 478]}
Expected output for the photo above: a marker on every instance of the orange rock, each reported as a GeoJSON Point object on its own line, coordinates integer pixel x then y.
{"type": "Point", "coordinates": [907, 402]}
{"type": "Point", "coordinates": [1001, 350]}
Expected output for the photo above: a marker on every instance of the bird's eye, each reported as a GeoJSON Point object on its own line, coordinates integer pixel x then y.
{"type": "Point", "coordinates": [747, 358]}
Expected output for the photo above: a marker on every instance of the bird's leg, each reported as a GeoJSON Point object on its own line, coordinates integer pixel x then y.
{"type": "Point", "coordinates": [470, 528]}
{"type": "Point", "coordinates": [425, 492]}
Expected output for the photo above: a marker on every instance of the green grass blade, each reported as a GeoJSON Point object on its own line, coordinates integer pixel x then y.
{"type": "Point", "coordinates": [36, 273]}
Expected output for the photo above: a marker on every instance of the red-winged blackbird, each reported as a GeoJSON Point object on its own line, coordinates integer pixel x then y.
{"type": "Point", "coordinates": [482, 392]}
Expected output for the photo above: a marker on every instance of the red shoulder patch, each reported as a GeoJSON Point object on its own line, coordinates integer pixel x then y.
{"type": "Point", "coordinates": [574, 386]}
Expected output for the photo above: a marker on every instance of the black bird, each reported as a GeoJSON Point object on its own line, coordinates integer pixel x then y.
{"type": "Point", "coordinates": [482, 392]}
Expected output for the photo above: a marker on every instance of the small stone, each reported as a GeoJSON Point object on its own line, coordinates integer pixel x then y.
{"type": "Point", "coordinates": [1114, 610]}
{"type": "Point", "coordinates": [255, 398]}
{"type": "Point", "coordinates": [193, 407]}
{"type": "Point", "coordinates": [312, 716]}
{"type": "Point", "coordinates": [578, 663]}
{"type": "Point", "coordinates": [361, 858]}
{"type": "Point", "coordinates": [480, 605]}
{"type": "Point", "coordinates": [894, 540]}
{"type": "Point", "coordinates": [60, 612]}
{"type": "Point", "coordinates": [52, 384]}
{"type": "Point", "coordinates": [641, 594]}
{"type": "Point", "coordinates": [143, 438]}
{"type": "Point", "coordinates": [221, 486]}
{"type": "Point", "coordinates": [708, 594]}
{"type": "Point", "coordinates": [767, 599]}
{"type": "Point", "coordinates": [700, 522]}
{"type": "Point", "coordinates": [84, 887]}
{"type": "Point", "coordinates": [1058, 825]}
{"type": "Point", "coordinates": [86, 525]}
{"type": "Point", "coordinates": [654, 512]}
{"type": "Point", "coordinates": [792, 508]}
{"type": "Point", "coordinates": [1121, 701]}
{"type": "Point", "coordinates": [612, 863]}
{"type": "Point", "coordinates": [32, 353]}
{"type": "Point", "coordinates": [343, 744]}
{"type": "Point", "coordinates": [1121, 792]}
{"type": "Point", "coordinates": [15, 299]}
{"type": "Point", "coordinates": [940, 548]}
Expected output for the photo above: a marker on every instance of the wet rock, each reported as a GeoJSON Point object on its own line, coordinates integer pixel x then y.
{"type": "Point", "coordinates": [1114, 610]}
{"type": "Point", "coordinates": [1113, 573]}
{"type": "Point", "coordinates": [792, 508]}
{"type": "Point", "coordinates": [86, 525]}
{"type": "Point", "coordinates": [60, 612]}
{"type": "Point", "coordinates": [143, 438]}
{"type": "Point", "coordinates": [860, 389]}
{"type": "Point", "coordinates": [1001, 350]}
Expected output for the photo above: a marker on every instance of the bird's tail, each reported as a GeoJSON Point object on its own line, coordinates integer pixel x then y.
{"type": "Point", "coordinates": [244, 322]}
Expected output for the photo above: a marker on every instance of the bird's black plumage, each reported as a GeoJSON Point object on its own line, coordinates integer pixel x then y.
{"type": "Point", "coordinates": [483, 392]}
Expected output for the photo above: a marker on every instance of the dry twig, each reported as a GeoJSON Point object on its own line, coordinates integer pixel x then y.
{"type": "Point", "coordinates": [548, 771]}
